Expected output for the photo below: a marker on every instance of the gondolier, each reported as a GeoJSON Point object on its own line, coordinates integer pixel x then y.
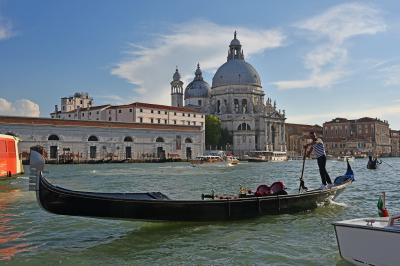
{"type": "Point", "coordinates": [319, 150]}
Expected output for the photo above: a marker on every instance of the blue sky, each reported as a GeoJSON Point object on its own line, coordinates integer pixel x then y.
{"type": "Point", "coordinates": [317, 59]}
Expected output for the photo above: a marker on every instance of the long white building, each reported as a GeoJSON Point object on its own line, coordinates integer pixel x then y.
{"type": "Point", "coordinates": [86, 141]}
{"type": "Point", "coordinates": [129, 113]}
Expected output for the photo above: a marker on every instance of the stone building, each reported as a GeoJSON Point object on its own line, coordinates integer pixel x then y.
{"type": "Point", "coordinates": [132, 113]}
{"type": "Point", "coordinates": [297, 135]}
{"type": "Point", "coordinates": [357, 136]}
{"type": "Point", "coordinates": [83, 141]}
{"type": "Point", "coordinates": [395, 143]}
{"type": "Point", "coordinates": [237, 98]}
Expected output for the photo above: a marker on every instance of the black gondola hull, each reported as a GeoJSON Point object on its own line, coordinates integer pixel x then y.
{"type": "Point", "coordinates": [125, 205]}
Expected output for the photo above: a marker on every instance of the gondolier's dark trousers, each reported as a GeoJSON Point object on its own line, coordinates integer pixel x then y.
{"type": "Point", "coordinates": [322, 170]}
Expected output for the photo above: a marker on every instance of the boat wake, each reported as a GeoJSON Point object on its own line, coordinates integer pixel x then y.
{"type": "Point", "coordinates": [335, 203]}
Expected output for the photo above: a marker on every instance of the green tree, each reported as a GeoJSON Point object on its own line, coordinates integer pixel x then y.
{"type": "Point", "coordinates": [213, 130]}
{"type": "Point", "coordinates": [226, 138]}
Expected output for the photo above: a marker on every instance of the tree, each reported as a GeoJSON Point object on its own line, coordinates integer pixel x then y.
{"type": "Point", "coordinates": [226, 138]}
{"type": "Point", "coordinates": [213, 130]}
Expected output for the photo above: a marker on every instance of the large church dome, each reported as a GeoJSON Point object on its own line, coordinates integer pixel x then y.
{"type": "Point", "coordinates": [236, 71]}
{"type": "Point", "coordinates": [198, 88]}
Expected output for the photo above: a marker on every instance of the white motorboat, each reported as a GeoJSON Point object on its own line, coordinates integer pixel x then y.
{"type": "Point", "coordinates": [369, 241]}
{"type": "Point", "coordinates": [346, 158]}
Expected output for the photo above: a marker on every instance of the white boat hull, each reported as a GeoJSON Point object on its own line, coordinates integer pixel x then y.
{"type": "Point", "coordinates": [363, 244]}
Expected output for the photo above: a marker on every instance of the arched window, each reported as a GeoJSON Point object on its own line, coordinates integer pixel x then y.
{"type": "Point", "coordinates": [128, 139]}
{"type": "Point", "coordinates": [236, 105]}
{"type": "Point", "coordinates": [159, 139]}
{"type": "Point", "coordinates": [53, 137]}
{"type": "Point", "coordinates": [188, 140]}
{"type": "Point", "coordinates": [93, 138]}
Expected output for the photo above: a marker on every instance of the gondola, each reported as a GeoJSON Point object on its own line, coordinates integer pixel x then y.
{"type": "Point", "coordinates": [372, 163]}
{"type": "Point", "coordinates": [155, 206]}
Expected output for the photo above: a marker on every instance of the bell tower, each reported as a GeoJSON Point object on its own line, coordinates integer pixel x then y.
{"type": "Point", "coordinates": [176, 90]}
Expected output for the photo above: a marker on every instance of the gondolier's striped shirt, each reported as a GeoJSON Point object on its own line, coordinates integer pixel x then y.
{"type": "Point", "coordinates": [319, 148]}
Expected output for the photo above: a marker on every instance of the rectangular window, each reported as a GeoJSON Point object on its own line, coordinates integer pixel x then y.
{"type": "Point", "coordinates": [159, 120]}
{"type": "Point", "coordinates": [141, 110]}
{"type": "Point", "coordinates": [119, 111]}
{"type": "Point", "coordinates": [183, 114]}
{"type": "Point", "coordinates": [130, 110]}
{"type": "Point", "coordinates": [141, 119]}
{"type": "Point", "coordinates": [174, 113]}
{"type": "Point", "coordinates": [188, 115]}
{"type": "Point", "coordinates": [188, 122]}
{"type": "Point", "coordinates": [90, 113]}
{"type": "Point", "coordinates": [174, 122]}
{"type": "Point", "coordinates": [97, 112]}
{"type": "Point", "coordinates": [194, 115]}
{"type": "Point", "coordinates": [166, 112]}
{"type": "Point", "coordinates": [152, 120]}
{"type": "Point", "coordinates": [159, 112]}
{"type": "Point", "coordinates": [69, 115]}
{"type": "Point", "coordinates": [83, 114]}
{"type": "Point", "coordinates": [165, 121]}
{"type": "Point", "coordinates": [151, 111]}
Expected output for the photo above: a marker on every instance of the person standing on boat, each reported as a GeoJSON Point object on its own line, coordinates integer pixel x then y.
{"type": "Point", "coordinates": [319, 150]}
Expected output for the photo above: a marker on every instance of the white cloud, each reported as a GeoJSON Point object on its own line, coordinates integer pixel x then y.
{"type": "Point", "coordinates": [22, 107]}
{"type": "Point", "coordinates": [150, 68]}
{"type": "Point", "coordinates": [5, 29]}
{"type": "Point", "coordinates": [327, 61]}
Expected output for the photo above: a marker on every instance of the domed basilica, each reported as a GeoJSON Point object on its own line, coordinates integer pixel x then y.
{"type": "Point", "coordinates": [237, 98]}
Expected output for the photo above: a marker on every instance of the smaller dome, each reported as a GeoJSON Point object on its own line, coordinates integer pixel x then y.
{"type": "Point", "coordinates": [235, 41]}
{"type": "Point", "coordinates": [176, 75]}
{"type": "Point", "coordinates": [198, 88]}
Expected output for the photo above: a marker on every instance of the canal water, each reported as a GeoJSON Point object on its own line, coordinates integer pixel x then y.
{"type": "Point", "coordinates": [31, 236]}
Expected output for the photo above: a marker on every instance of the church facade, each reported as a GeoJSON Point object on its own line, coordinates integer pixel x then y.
{"type": "Point", "coordinates": [236, 96]}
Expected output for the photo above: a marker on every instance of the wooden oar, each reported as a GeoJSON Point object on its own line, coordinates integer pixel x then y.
{"type": "Point", "coordinates": [302, 186]}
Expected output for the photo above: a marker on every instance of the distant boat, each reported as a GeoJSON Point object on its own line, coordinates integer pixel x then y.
{"type": "Point", "coordinates": [232, 160]}
{"type": "Point", "coordinates": [266, 156]}
{"type": "Point", "coordinates": [372, 163]}
{"type": "Point", "coordinates": [346, 158]}
{"type": "Point", "coordinates": [206, 159]}
{"type": "Point", "coordinates": [369, 241]}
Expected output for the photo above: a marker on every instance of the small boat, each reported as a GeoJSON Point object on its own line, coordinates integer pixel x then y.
{"type": "Point", "coordinates": [232, 160]}
{"type": "Point", "coordinates": [156, 206]}
{"type": "Point", "coordinates": [372, 163]}
{"type": "Point", "coordinates": [10, 162]}
{"type": "Point", "coordinates": [207, 159]}
{"type": "Point", "coordinates": [346, 158]}
{"type": "Point", "coordinates": [369, 241]}
{"type": "Point", "coordinates": [266, 156]}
